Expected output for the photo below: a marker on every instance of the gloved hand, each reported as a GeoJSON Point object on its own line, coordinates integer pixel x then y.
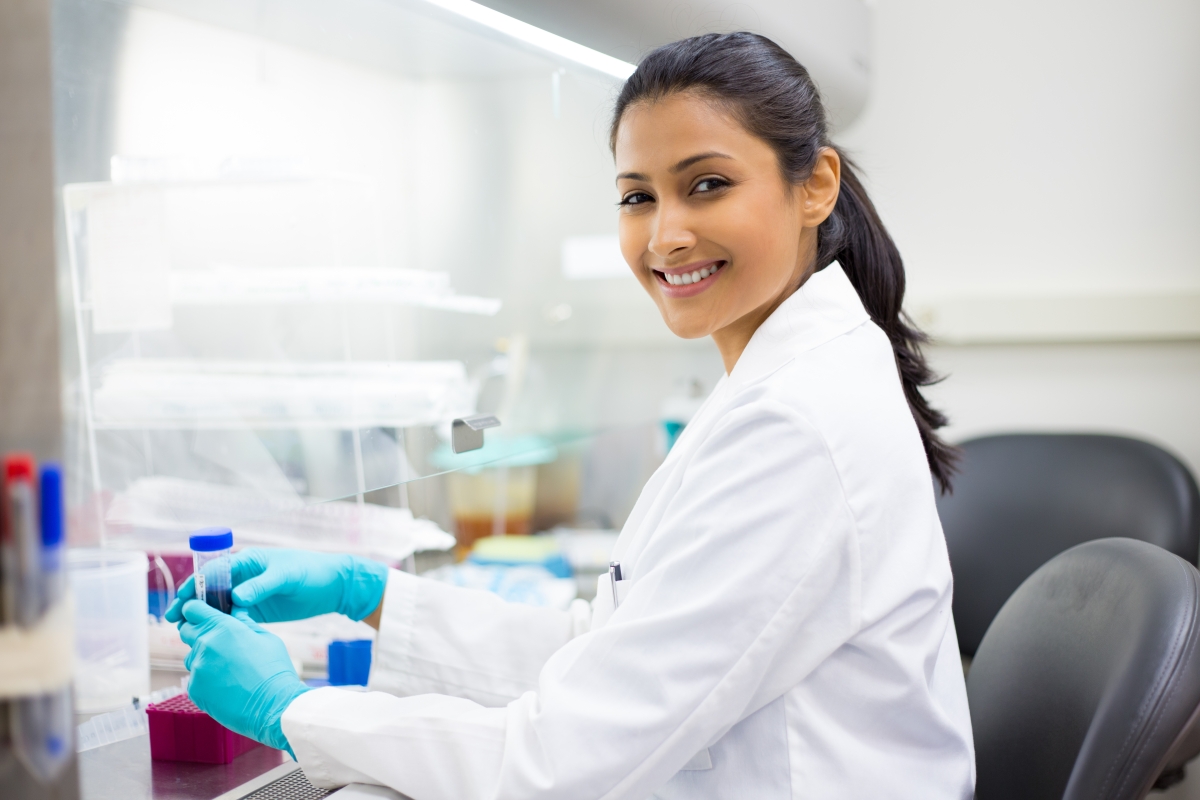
{"type": "Point", "coordinates": [242, 675]}
{"type": "Point", "coordinates": [284, 585]}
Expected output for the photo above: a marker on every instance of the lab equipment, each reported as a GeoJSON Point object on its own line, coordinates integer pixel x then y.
{"type": "Point", "coordinates": [211, 579]}
{"type": "Point", "coordinates": [179, 731]}
{"type": "Point", "coordinates": [23, 601]}
{"type": "Point", "coordinates": [124, 723]}
{"type": "Point", "coordinates": [241, 674]}
{"type": "Point", "coordinates": [282, 585]}
{"type": "Point", "coordinates": [40, 725]}
{"type": "Point", "coordinates": [166, 574]}
{"type": "Point", "coordinates": [529, 585]}
{"type": "Point", "coordinates": [467, 433]}
{"type": "Point", "coordinates": [349, 662]}
{"type": "Point", "coordinates": [516, 550]}
{"type": "Point", "coordinates": [157, 509]}
{"type": "Point", "coordinates": [492, 493]}
{"type": "Point", "coordinates": [111, 635]}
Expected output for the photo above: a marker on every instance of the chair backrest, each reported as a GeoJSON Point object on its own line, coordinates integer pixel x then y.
{"type": "Point", "coordinates": [1089, 677]}
{"type": "Point", "coordinates": [1022, 499]}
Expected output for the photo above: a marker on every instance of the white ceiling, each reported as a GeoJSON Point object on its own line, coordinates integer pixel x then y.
{"type": "Point", "coordinates": [830, 37]}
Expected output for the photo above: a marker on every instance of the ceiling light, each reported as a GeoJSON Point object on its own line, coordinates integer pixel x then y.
{"type": "Point", "coordinates": [543, 40]}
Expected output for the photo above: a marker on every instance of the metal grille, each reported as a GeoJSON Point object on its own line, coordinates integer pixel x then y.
{"type": "Point", "coordinates": [293, 786]}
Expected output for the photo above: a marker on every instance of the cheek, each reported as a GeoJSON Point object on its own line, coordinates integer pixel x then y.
{"type": "Point", "coordinates": [763, 239]}
{"type": "Point", "coordinates": [634, 235]}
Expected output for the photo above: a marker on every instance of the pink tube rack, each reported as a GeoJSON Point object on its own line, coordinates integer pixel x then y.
{"type": "Point", "coordinates": [181, 732]}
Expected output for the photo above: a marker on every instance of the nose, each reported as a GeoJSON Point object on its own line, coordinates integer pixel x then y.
{"type": "Point", "coordinates": [671, 234]}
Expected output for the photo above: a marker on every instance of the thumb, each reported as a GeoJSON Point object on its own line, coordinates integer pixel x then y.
{"type": "Point", "coordinates": [200, 613]}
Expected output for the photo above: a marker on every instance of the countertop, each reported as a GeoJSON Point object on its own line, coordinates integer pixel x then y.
{"type": "Point", "coordinates": [125, 771]}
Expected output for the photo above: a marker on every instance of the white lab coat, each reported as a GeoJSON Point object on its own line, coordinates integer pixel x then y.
{"type": "Point", "coordinates": [784, 630]}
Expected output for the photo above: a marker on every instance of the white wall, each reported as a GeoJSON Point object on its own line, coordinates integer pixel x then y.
{"type": "Point", "coordinates": [1034, 149]}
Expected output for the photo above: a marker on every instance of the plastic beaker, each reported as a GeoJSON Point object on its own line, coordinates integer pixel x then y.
{"type": "Point", "coordinates": [211, 548]}
{"type": "Point", "coordinates": [111, 634]}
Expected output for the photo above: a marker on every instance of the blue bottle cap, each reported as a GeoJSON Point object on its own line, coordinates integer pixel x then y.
{"type": "Point", "coordinates": [206, 540]}
{"type": "Point", "coordinates": [349, 662]}
{"type": "Point", "coordinates": [51, 497]}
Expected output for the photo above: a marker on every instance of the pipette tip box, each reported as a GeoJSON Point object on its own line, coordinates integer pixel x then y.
{"type": "Point", "coordinates": [179, 731]}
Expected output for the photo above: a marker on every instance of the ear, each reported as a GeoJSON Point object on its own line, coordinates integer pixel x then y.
{"type": "Point", "coordinates": [819, 193]}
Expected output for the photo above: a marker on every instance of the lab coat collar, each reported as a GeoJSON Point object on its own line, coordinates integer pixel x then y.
{"type": "Point", "coordinates": [825, 307]}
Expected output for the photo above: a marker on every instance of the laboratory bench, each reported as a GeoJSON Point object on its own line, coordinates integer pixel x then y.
{"type": "Point", "coordinates": [125, 771]}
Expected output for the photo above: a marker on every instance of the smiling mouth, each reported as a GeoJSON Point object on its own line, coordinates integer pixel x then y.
{"type": "Point", "coordinates": [688, 278]}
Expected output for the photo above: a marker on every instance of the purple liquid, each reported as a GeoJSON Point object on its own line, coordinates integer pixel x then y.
{"type": "Point", "coordinates": [220, 599]}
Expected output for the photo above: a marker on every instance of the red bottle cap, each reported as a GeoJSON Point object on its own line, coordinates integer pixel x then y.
{"type": "Point", "coordinates": [18, 467]}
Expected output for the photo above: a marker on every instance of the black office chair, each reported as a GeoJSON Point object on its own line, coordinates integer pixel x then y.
{"type": "Point", "coordinates": [1022, 499]}
{"type": "Point", "coordinates": [1089, 677]}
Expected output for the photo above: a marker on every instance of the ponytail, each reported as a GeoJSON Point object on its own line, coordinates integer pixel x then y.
{"type": "Point", "coordinates": [774, 98]}
{"type": "Point", "coordinates": [854, 236]}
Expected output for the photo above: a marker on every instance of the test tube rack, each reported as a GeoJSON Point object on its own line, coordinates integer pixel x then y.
{"type": "Point", "coordinates": [179, 731]}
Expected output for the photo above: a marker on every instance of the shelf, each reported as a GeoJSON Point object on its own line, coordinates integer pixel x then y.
{"type": "Point", "coordinates": [243, 286]}
{"type": "Point", "coordinates": [168, 394]}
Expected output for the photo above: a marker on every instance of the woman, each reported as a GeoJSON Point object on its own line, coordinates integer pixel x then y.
{"type": "Point", "coordinates": [783, 628]}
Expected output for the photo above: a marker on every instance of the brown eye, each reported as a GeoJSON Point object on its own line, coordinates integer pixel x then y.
{"type": "Point", "coordinates": [710, 185]}
{"type": "Point", "coordinates": [635, 199]}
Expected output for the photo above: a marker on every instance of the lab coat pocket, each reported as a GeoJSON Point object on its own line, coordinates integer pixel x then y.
{"type": "Point", "coordinates": [602, 606]}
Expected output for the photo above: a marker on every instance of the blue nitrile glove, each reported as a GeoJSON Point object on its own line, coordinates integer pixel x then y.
{"type": "Point", "coordinates": [284, 585]}
{"type": "Point", "coordinates": [242, 675]}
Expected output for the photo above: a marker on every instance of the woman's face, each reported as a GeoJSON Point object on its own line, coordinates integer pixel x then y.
{"type": "Point", "coordinates": [708, 224]}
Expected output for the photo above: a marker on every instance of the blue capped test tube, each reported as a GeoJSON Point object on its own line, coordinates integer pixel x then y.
{"type": "Point", "coordinates": [211, 550]}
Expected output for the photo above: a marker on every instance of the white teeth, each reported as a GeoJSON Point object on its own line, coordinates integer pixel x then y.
{"type": "Point", "coordinates": [688, 278]}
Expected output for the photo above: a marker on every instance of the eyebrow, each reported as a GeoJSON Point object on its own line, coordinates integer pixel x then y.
{"type": "Point", "coordinates": [677, 168]}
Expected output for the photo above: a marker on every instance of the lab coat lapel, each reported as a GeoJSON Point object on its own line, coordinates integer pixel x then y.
{"type": "Point", "coordinates": [825, 307]}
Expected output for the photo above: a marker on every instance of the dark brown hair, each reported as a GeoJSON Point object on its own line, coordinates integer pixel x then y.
{"type": "Point", "coordinates": [774, 98]}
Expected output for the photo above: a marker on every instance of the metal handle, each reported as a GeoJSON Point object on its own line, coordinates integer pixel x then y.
{"type": "Point", "coordinates": [466, 433]}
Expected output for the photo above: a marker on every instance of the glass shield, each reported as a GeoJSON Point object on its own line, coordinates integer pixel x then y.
{"type": "Point", "coordinates": [298, 244]}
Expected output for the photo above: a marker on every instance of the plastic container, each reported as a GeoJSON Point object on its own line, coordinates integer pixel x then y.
{"type": "Point", "coordinates": [211, 548]}
{"type": "Point", "coordinates": [349, 662]}
{"type": "Point", "coordinates": [493, 489]}
{"type": "Point", "coordinates": [167, 573]}
{"type": "Point", "coordinates": [111, 634]}
{"type": "Point", "coordinates": [179, 731]}
{"type": "Point", "coordinates": [522, 551]}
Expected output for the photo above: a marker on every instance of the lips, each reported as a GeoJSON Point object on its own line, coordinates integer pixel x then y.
{"type": "Point", "coordinates": [684, 283]}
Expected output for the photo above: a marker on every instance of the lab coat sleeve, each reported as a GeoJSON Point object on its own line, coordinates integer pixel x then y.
{"type": "Point", "coordinates": [750, 580]}
{"type": "Point", "coordinates": [435, 638]}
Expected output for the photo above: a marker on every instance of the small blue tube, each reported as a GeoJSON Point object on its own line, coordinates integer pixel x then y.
{"type": "Point", "coordinates": [51, 504]}
{"type": "Point", "coordinates": [349, 662]}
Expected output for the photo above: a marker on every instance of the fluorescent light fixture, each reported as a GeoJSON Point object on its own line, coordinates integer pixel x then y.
{"type": "Point", "coordinates": [543, 40]}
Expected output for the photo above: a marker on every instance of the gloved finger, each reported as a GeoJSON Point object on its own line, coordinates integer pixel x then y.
{"type": "Point", "coordinates": [260, 587]}
{"type": "Point", "coordinates": [245, 564]}
{"type": "Point", "coordinates": [189, 633]}
{"type": "Point", "coordinates": [250, 623]}
{"type": "Point", "coordinates": [186, 591]}
{"type": "Point", "coordinates": [203, 616]}
{"type": "Point", "coordinates": [187, 662]}
{"type": "Point", "coordinates": [246, 616]}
